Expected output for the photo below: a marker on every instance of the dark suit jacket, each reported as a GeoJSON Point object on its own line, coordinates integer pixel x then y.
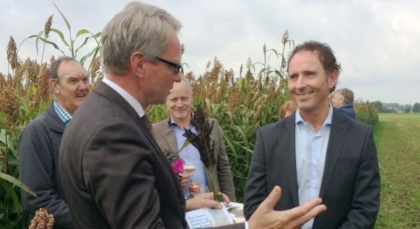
{"type": "Point", "coordinates": [350, 184]}
{"type": "Point", "coordinates": [113, 172]}
{"type": "Point", "coordinates": [165, 138]}
{"type": "Point", "coordinates": [38, 167]}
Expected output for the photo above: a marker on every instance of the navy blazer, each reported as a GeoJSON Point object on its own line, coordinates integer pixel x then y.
{"type": "Point", "coordinates": [350, 185]}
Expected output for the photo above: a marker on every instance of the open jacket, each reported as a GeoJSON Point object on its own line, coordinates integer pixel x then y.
{"type": "Point", "coordinates": [38, 167]}
{"type": "Point", "coordinates": [165, 138]}
{"type": "Point", "coordinates": [350, 184]}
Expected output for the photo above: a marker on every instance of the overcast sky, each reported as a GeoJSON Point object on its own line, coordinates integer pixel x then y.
{"type": "Point", "coordinates": [377, 42]}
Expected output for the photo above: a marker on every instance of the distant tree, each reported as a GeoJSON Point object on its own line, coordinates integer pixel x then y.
{"type": "Point", "coordinates": [378, 105]}
{"type": "Point", "coordinates": [407, 108]}
{"type": "Point", "coordinates": [416, 107]}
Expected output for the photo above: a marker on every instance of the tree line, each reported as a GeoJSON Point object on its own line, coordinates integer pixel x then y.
{"type": "Point", "coordinates": [396, 107]}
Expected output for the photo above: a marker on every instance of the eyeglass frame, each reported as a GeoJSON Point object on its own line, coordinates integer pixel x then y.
{"type": "Point", "coordinates": [177, 67]}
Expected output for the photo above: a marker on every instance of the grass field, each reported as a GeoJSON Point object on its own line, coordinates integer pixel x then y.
{"type": "Point", "coordinates": [397, 139]}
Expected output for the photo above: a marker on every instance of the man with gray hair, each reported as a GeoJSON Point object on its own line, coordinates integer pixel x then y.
{"type": "Point", "coordinates": [342, 100]}
{"type": "Point", "coordinates": [114, 173]}
{"type": "Point", "coordinates": [40, 141]}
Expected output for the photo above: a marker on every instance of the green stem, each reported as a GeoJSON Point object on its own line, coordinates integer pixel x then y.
{"type": "Point", "coordinates": [214, 184]}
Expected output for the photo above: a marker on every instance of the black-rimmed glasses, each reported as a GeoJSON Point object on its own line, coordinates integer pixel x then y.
{"type": "Point", "coordinates": [176, 66]}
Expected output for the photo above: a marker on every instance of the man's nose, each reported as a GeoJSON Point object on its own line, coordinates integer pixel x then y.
{"type": "Point", "coordinates": [300, 82]}
{"type": "Point", "coordinates": [83, 85]}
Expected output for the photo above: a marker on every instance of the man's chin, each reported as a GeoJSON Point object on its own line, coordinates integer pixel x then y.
{"type": "Point", "coordinates": [180, 116]}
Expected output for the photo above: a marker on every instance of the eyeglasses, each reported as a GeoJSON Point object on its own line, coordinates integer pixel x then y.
{"type": "Point", "coordinates": [176, 66]}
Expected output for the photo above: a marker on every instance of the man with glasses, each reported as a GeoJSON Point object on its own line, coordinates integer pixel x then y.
{"type": "Point", "coordinates": [40, 141]}
{"type": "Point", "coordinates": [177, 67]}
{"type": "Point", "coordinates": [113, 172]}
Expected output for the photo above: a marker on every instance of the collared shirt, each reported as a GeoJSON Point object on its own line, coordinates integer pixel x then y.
{"type": "Point", "coordinates": [62, 113]}
{"type": "Point", "coordinates": [190, 156]}
{"type": "Point", "coordinates": [127, 97]}
{"type": "Point", "coordinates": [311, 150]}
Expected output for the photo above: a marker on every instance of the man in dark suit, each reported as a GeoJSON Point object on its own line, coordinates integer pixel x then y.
{"type": "Point", "coordinates": [317, 152]}
{"type": "Point", "coordinates": [113, 172]}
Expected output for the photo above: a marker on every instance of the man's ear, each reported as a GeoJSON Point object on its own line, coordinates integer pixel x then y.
{"type": "Point", "coordinates": [137, 63]}
{"type": "Point", "coordinates": [333, 77]}
{"type": "Point", "coordinates": [54, 85]}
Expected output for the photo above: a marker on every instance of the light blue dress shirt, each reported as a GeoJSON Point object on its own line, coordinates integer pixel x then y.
{"type": "Point", "coordinates": [190, 156]}
{"type": "Point", "coordinates": [311, 149]}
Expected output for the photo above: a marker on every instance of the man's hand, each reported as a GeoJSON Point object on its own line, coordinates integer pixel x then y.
{"type": "Point", "coordinates": [266, 217]}
{"type": "Point", "coordinates": [205, 200]}
{"type": "Point", "coordinates": [186, 177]}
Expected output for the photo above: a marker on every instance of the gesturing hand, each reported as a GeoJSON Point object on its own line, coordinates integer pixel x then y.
{"type": "Point", "coordinates": [266, 217]}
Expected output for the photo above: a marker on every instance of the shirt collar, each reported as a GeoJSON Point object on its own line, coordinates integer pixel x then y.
{"type": "Point", "coordinates": [61, 112]}
{"type": "Point", "coordinates": [129, 98]}
{"type": "Point", "coordinates": [171, 121]}
{"type": "Point", "coordinates": [327, 121]}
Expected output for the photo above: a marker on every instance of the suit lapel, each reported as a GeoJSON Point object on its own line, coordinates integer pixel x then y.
{"type": "Point", "coordinates": [338, 133]}
{"type": "Point", "coordinates": [169, 137]}
{"type": "Point", "coordinates": [289, 156]}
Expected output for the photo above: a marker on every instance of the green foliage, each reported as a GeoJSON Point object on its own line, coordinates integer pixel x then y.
{"type": "Point", "coordinates": [366, 112]}
{"type": "Point", "coordinates": [24, 95]}
{"type": "Point", "coordinates": [74, 45]}
{"type": "Point", "coordinates": [382, 109]}
{"type": "Point", "coordinates": [16, 109]}
{"type": "Point", "coordinates": [241, 105]}
{"type": "Point", "coordinates": [407, 108]}
{"type": "Point", "coordinates": [416, 107]}
{"type": "Point", "coordinates": [12, 214]}
{"type": "Point", "coordinates": [378, 105]}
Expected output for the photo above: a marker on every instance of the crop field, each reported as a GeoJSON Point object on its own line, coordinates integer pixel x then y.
{"type": "Point", "coordinates": [397, 139]}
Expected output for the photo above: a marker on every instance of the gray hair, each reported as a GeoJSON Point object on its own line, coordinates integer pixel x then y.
{"type": "Point", "coordinates": [138, 28]}
{"type": "Point", "coordinates": [56, 64]}
{"type": "Point", "coordinates": [347, 94]}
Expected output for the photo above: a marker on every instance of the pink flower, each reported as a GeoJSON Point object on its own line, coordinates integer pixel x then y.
{"type": "Point", "coordinates": [177, 166]}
